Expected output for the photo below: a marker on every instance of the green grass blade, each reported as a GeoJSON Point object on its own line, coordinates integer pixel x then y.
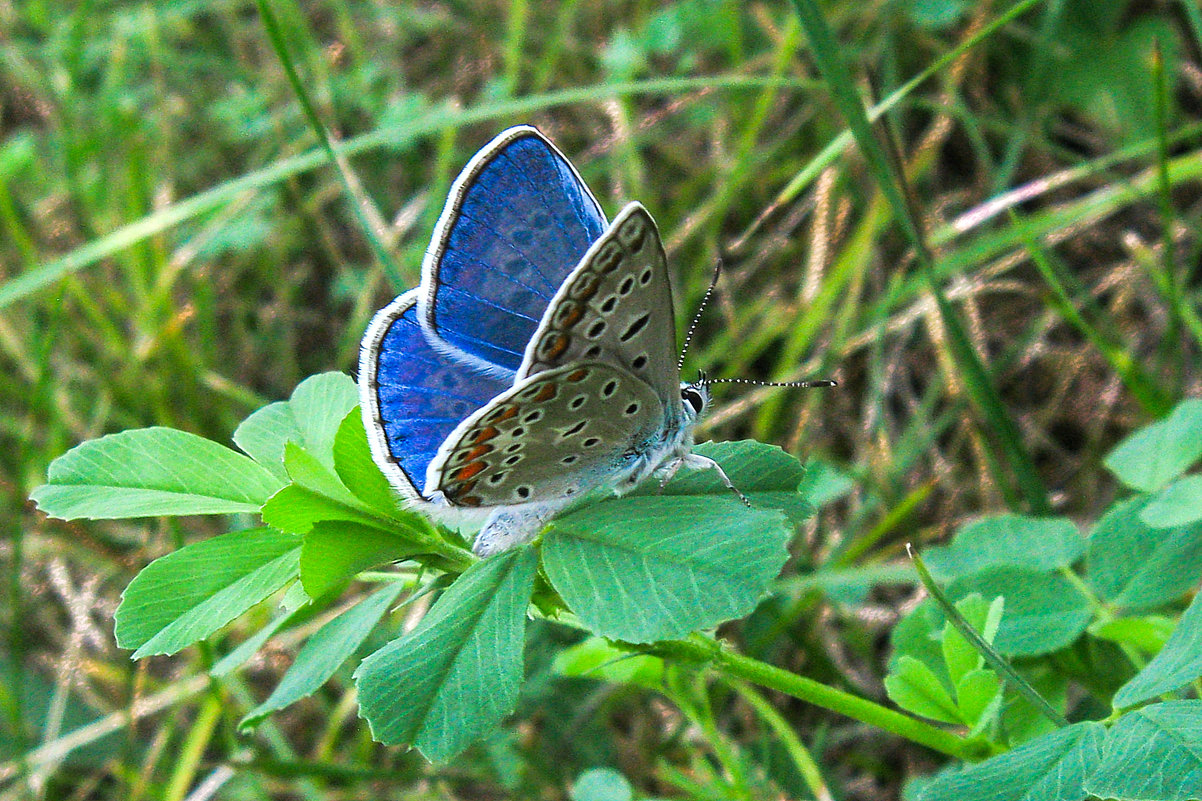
{"type": "Point", "coordinates": [369, 218]}
{"type": "Point", "coordinates": [974, 374]}
{"type": "Point", "coordinates": [1143, 387]}
{"type": "Point", "coordinates": [391, 137]}
{"type": "Point", "coordinates": [994, 659]}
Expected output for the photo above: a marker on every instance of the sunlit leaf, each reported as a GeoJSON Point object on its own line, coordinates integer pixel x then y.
{"type": "Point", "coordinates": [457, 674]}
{"type": "Point", "coordinates": [152, 471]}
{"type": "Point", "coordinates": [190, 593]}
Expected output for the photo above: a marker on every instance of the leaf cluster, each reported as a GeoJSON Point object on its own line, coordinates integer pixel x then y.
{"type": "Point", "coordinates": [639, 569]}
{"type": "Point", "coordinates": [1082, 619]}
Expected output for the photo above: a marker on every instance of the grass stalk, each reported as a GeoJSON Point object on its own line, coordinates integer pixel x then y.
{"type": "Point", "coordinates": [973, 371]}
{"type": "Point", "coordinates": [368, 217]}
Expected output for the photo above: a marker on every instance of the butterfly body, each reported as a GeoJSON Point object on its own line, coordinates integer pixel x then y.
{"type": "Point", "coordinates": [536, 361]}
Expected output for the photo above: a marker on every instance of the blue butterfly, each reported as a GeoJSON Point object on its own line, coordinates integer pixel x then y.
{"type": "Point", "coordinates": [536, 360]}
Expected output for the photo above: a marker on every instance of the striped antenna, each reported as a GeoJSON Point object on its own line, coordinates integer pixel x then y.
{"type": "Point", "coordinates": [799, 384]}
{"type": "Point", "coordinates": [688, 338]}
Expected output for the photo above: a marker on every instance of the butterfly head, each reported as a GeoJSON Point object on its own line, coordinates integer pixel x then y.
{"type": "Point", "coordinates": [694, 398]}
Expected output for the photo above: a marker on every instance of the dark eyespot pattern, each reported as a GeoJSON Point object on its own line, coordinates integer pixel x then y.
{"type": "Point", "coordinates": [533, 417]}
{"type": "Point", "coordinates": [611, 386]}
{"type": "Point", "coordinates": [609, 304]}
{"type": "Point", "coordinates": [593, 352]}
{"type": "Point", "coordinates": [639, 362]}
{"type": "Point", "coordinates": [590, 442]}
{"type": "Point", "coordinates": [626, 286]}
{"type": "Point", "coordinates": [518, 432]}
{"type": "Point", "coordinates": [574, 430]}
{"type": "Point", "coordinates": [512, 460]}
{"type": "Point", "coordinates": [633, 329]}
{"type": "Point", "coordinates": [645, 278]}
{"type": "Point", "coordinates": [596, 329]}
{"type": "Point", "coordinates": [577, 402]}
{"type": "Point", "coordinates": [632, 409]}
{"type": "Point", "coordinates": [497, 478]}
{"type": "Point", "coordinates": [570, 459]}
{"type": "Point", "coordinates": [523, 492]}
{"type": "Point", "coordinates": [515, 447]}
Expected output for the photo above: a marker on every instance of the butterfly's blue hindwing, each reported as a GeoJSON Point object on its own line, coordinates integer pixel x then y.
{"type": "Point", "coordinates": [413, 396]}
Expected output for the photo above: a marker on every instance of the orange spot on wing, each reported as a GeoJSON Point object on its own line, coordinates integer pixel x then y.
{"type": "Point", "coordinates": [585, 286]}
{"type": "Point", "coordinates": [469, 470]}
{"type": "Point", "coordinates": [578, 375]}
{"type": "Point", "coordinates": [502, 413]}
{"type": "Point", "coordinates": [546, 393]}
{"type": "Point", "coordinates": [552, 346]}
{"type": "Point", "coordinates": [569, 315]}
{"type": "Point", "coordinates": [485, 434]}
{"type": "Point", "coordinates": [478, 451]}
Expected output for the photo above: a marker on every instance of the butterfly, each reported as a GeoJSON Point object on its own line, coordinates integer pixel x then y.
{"type": "Point", "coordinates": [536, 360]}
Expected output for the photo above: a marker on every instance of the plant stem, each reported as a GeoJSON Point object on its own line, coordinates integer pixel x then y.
{"type": "Point", "coordinates": [994, 659]}
{"type": "Point", "coordinates": [701, 648]}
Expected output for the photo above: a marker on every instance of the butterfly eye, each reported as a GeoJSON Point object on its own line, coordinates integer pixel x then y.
{"type": "Point", "coordinates": [693, 398]}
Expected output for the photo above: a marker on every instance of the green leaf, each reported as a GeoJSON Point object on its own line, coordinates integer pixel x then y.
{"type": "Point", "coordinates": [1043, 544]}
{"type": "Point", "coordinates": [1053, 767]}
{"type": "Point", "coordinates": [335, 551]}
{"type": "Point", "coordinates": [653, 568]}
{"type": "Point", "coordinates": [152, 471]}
{"type": "Point", "coordinates": [319, 404]}
{"type": "Point", "coordinates": [324, 653]}
{"type": "Point", "coordinates": [307, 471]}
{"type": "Point", "coordinates": [824, 483]}
{"type": "Point", "coordinates": [915, 687]}
{"type": "Point", "coordinates": [1153, 753]}
{"type": "Point", "coordinates": [920, 635]}
{"type": "Point", "coordinates": [295, 604]}
{"type": "Point", "coordinates": [1146, 633]}
{"type": "Point", "coordinates": [317, 494]}
{"type": "Point", "coordinates": [1138, 567]}
{"type": "Point", "coordinates": [309, 418]}
{"type": "Point", "coordinates": [457, 674]}
{"type": "Point", "coordinates": [354, 466]}
{"type": "Point", "coordinates": [596, 658]}
{"type": "Point", "coordinates": [1179, 663]}
{"type": "Point", "coordinates": [296, 510]}
{"type": "Point", "coordinates": [978, 696]}
{"type": "Point", "coordinates": [1021, 719]}
{"type": "Point", "coordinates": [187, 595]}
{"type": "Point", "coordinates": [601, 784]}
{"type": "Point", "coordinates": [768, 476]}
{"type": "Point", "coordinates": [959, 655]}
{"type": "Point", "coordinates": [1044, 611]}
{"type": "Point", "coordinates": [1156, 454]}
{"type": "Point", "coordinates": [1180, 503]}
{"type": "Point", "coordinates": [262, 436]}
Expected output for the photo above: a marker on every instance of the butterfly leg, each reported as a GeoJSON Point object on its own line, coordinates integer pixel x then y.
{"type": "Point", "coordinates": [508, 527]}
{"type": "Point", "coordinates": [694, 461]}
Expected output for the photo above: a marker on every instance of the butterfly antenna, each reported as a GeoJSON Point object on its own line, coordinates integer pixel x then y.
{"type": "Point", "coordinates": [688, 337]}
{"type": "Point", "coordinates": [798, 384]}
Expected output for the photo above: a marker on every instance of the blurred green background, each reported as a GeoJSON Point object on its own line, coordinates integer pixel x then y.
{"type": "Point", "coordinates": [175, 249]}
